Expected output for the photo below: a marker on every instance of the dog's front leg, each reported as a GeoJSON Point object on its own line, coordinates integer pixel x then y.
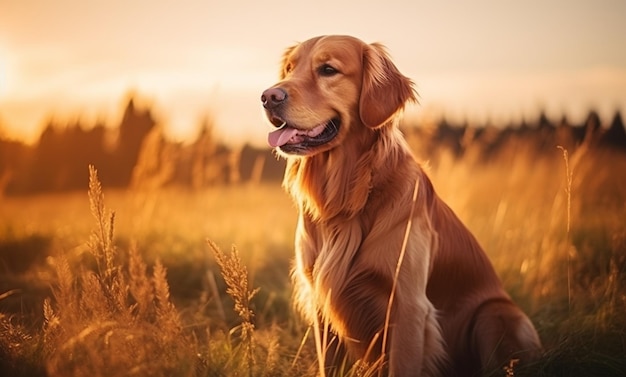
{"type": "Point", "coordinates": [416, 345]}
{"type": "Point", "coordinates": [415, 340]}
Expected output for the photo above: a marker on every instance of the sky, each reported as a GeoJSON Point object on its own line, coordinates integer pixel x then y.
{"type": "Point", "coordinates": [189, 60]}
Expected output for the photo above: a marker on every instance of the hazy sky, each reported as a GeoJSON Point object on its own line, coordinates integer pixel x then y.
{"type": "Point", "coordinates": [479, 60]}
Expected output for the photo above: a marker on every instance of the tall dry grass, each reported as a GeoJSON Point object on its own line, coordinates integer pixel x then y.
{"type": "Point", "coordinates": [236, 276]}
{"type": "Point", "coordinates": [553, 227]}
{"type": "Point", "coordinates": [117, 319]}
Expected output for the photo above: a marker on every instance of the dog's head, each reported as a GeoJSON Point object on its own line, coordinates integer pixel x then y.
{"type": "Point", "coordinates": [330, 87]}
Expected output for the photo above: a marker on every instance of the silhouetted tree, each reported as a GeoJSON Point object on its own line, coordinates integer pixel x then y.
{"type": "Point", "coordinates": [592, 128]}
{"type": "Point", "coordinates": [449, 136]}
{"type": "Point", "coordinates": [14, 157]}
{"type": "Point", "coordinates": [544, 124]}
{"type": "Point", "coordinates": [82, 147]}
{"type": "Point", "coordinates": [564, 135]}
{"type": "Point", "coordinates": [615, 136]}
{"type": "Point", "coordinates": [135, 126]}
{"type": "Point", "coordinates": [48, 160]}
{"type": "Point", "coordinates": [59, 159]}
{"type": "Point", "coordinates": [545, 137]}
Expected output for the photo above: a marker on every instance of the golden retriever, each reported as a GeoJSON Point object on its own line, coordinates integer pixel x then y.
{"type": "Point", "coordinates": [381, 262]}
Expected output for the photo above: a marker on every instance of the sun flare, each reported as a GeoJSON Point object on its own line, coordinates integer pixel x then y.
{"type": "Point", "coordinates": [4, 72]}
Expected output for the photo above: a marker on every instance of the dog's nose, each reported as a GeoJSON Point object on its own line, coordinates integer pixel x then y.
{"type": "Point", "coordinates": [273, 97]}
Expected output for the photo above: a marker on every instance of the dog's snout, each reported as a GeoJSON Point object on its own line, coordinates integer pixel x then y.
{"type": "Point", "coordinates": [273, 97]}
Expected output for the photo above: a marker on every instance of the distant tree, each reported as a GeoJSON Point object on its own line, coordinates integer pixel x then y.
{"type": "Point", "coordinates": [449, 136]}
{"type": "Point", "coordinates": [615, 135]}
{"type": "Point", "coordinates": [544, 122]}
{"type": "Point", "coordinates": [565, 135]}
{"type": "Point", "coordinates": [83, 147]}
{"type": "Point", "coordinates": [133, 129]}
{"type": "Point", "coordinates": [61, 157]}
{"type": "Point", "coordinates": [544, 139]}
{"type": "Point", "coordinates": [592, 128]}
{"type": "Point", "coordinates": [47, 164]}
{"type": "Point", "coordinates": [14, 156]}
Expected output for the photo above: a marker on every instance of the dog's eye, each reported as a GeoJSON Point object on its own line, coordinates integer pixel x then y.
{"type": "Point", "coordinates": [327, 70]}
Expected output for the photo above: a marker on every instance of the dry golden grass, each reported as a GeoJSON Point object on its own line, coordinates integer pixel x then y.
{"type": "Point", "coordinates": [236, 277]}
{"type": "Point", "coordinates": [115, 320]}
{"type": "Point", "coordinates": [139, 292]}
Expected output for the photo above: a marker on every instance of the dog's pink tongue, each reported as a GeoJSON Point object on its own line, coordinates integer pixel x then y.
{"type": "Point", "coordinates": [281, 136]}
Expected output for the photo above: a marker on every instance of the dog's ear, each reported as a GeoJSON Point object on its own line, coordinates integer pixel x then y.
{"type": "Point", "coordinates": [285, 62]}
{"type": "Point", "coordinates": [384, 89]}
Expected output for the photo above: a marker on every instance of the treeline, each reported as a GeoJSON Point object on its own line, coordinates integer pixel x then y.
{"type": "Point", "coordinates": [136, 154]}
{"type": "Point", "coordinates": [133, 154]}
{"type": "Point", "coordinates": [483, 144]}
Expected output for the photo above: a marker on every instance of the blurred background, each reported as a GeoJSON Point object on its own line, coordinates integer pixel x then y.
{"type": "Point", "coordinates": [90, 81]}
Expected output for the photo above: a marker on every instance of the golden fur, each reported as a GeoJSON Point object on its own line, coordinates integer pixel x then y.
{"type": "Point", "coordinates": [354, 185]}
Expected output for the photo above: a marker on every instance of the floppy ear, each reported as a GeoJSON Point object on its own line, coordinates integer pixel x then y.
{"type": "Point", "coordinates": [284, 62]}
{"type": "Point", "coordinates": [384, 89]}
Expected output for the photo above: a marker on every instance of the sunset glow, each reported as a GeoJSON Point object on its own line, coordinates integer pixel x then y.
{"type": "Point", "coordinates": [488, 61]}
{"type": "Point", "coordinates": [5, 72]}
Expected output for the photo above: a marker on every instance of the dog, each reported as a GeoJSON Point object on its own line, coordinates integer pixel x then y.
{"type": "Point", "coordinates": [381, 262]}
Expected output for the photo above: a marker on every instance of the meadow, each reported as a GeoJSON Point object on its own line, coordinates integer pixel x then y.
{"type": "Point", "coordinates": [181, 282]}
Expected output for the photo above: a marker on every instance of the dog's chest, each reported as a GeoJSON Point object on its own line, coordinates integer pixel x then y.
{"type": "Point", "coordinates": [333, 250]}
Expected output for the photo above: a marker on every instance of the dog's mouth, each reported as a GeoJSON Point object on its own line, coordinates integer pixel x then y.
{"type": "Point", "coordinates": [291, 139]}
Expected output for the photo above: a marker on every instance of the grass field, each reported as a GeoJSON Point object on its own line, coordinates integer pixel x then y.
{"type": "Point", "coordinates": [142, 293]}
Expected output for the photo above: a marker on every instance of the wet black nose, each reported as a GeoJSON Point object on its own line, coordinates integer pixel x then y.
{"type": "Point", "coordinates": [273, 97]}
